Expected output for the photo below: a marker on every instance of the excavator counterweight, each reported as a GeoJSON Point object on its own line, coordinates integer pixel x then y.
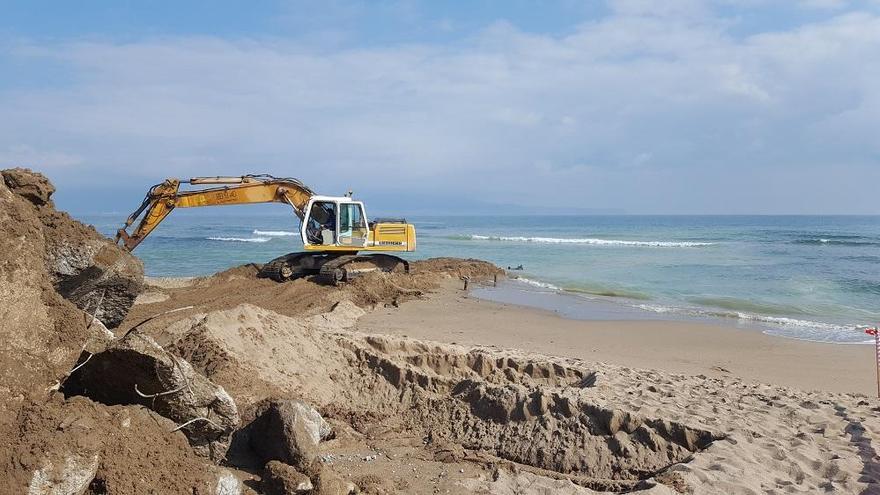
{"type": "Point", "coordinates": [334, 229]}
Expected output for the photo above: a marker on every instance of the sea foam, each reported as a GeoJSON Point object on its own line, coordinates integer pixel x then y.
{"type": "Point", "coordinates": [275, 233]}
{"type": "Point", "coordinates": [537, 283]}
{"type": "Point", "coordinates": [239, 239]}
{"type": "Point", "coordinates": [590, 241]}
{"type": "Point", "coordinates": [740, 315]}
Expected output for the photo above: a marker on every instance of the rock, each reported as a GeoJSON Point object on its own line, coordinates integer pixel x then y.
{"type": "Point", "coordinates": [288, 431]}
{"type": "Point", "coordinates": [85, 267]}
{"type": "Point", "coordinates": [97, 276]}
{"type": "Point", "coordinates": [228, 484]}
{"type": "Point", "coordinates": [70, 478]}
{"type": "Point", "coordinates": [283, 479]}
{"type": "Point", "coordinates": [342, 315]}
{"type": "Point", "coordinates": [137, 363]}
{"type": "Point", "coordinates": [30, 185]}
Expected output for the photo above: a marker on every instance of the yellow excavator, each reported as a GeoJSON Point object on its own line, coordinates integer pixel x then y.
{"type": "Point", "coordinates": [334, 229]}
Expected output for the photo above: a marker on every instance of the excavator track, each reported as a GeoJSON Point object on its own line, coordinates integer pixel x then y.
{"type": "Point", "coordinates": [294, 265]}
{"type": "Point", "coordinates": [347, 267]}
{"type": "Point", "coordinates": [330, 268]}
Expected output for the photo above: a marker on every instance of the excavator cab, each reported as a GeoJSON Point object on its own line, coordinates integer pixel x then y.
{"type": "Point", "coordinates": [335, 221]}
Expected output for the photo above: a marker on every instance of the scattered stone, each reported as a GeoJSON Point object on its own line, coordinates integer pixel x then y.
{"type": "Point", "coordinates": [228, 484]}
{"type": "Point", "coordinates": [288, 431]}
{"type": "Point", "coordinates": [72, 477]}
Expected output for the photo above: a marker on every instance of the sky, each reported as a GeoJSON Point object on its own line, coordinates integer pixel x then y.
{"type": "Point", "coordinates": [516, 106]}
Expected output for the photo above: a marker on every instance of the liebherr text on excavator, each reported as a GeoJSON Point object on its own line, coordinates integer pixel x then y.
{"type": "Point", "coordinates": [334, 229]}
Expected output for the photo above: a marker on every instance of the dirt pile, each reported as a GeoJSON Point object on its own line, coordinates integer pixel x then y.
{"type": "Point", "coordinates": [136, 370]}
{"type": "Point", "coordinates": [107, 449]}
{"type": "Point", "coordinates": [540, 414]}
{"type": "Point", "coordinates": [49, 265]}
{"type": "Point", "coordinates": [85, 267]}
{"type": "Point", "coordinates": [301, 297]}
{"type": "Point", "coordinates": [43, 334]}
{"type": "Point", "coordinates": [311, 405]}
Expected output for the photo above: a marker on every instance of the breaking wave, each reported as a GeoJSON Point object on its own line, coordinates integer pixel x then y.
{"type": "Point", "coordinates": [585, 291]}
{"type": "Point", "coordinates": [239, 239]}
{"type": "Point", "coordinates": [837, 241]}
{"type": "Point", "coordinates": [588, 241]}
{"type": "Point", "coordinates": [275, 233]}
{"type": "Point", "coordinates": [801, 329]}
{"type": "Point", "coordinates": [741, 315]}
{"type": "Point", "coordinates": [537, 283]}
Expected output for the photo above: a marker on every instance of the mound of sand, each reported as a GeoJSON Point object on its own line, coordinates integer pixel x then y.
{"type": "Point", "coordinates": [302, 297]}
{"type": "Point", "coordinates": [513, 407]}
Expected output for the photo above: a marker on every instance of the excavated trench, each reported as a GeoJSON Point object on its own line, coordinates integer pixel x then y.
{"type": "Point", "coordinates": [543, 415]}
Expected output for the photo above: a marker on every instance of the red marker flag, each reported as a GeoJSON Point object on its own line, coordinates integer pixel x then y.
{"type": "Point", "coordinates": [876, 333]}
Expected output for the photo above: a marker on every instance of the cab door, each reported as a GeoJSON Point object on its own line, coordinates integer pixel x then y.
{"type": "Point", "coordinates": [352, 225]}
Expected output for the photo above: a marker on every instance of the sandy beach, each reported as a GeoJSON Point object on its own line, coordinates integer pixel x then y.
{"type": "Point", "coordinates": [693, 348]}
{"type": "Point", "coordinates": [451, 392]}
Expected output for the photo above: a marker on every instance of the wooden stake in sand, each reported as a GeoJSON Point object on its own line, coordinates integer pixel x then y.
{"type": "Point", "coordinates": [876, 333]}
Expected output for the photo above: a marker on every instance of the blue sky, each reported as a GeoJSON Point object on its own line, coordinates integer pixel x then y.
{"type": "Point", "coordinates": [683, 106]}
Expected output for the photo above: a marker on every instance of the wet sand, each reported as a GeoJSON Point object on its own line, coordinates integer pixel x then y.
{"type": "Point", "coordinates": [692, 348]}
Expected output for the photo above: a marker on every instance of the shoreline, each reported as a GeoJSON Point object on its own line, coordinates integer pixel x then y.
{"type": "Point", "coordinates": [677, 344]}
{"type": "Point", "coordinates": [686, 347]}
{"type": "Point", "coordinates": [573, 304]}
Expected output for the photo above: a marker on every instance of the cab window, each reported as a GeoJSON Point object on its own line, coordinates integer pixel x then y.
{"type": "Point", "coordinates": [321, 227]}
{"type": "Point", "coordinates": [352, 225]}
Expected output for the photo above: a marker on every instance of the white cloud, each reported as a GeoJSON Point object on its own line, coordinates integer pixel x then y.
{"type": "Point", "coordinates": [21, 155]}
{"type": "Point", "coordinates": [649, 99]}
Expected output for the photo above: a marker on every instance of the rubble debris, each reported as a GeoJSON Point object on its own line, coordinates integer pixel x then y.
{"type": "Point", "coordinates": [43, 334]}
{"type": "Point", "coordinates": [288, 431]}
{"type": "Point", "coordinates": [228, 484]}
{"type": "Point", "coordinates": [85, 267]}
{"type": "Point", "coordinates": [136, 370]}
{"type": "Point", "coordinates": [118, 449]}
{"type": "Point", "coordinates": [329, 482]}
{"type": "Point", "coordinates": [72, 476]}
{"type": "Point", "coordinates": [284, 479]}
{"type": "Point", "coordinates": [30, 185]}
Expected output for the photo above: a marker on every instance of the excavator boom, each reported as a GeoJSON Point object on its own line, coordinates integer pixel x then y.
{"type": "Point", "coordinates": [163, 198]}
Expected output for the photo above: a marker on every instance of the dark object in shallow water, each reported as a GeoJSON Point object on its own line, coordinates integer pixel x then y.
{"type": "Point", "coordinates": [520, 267]}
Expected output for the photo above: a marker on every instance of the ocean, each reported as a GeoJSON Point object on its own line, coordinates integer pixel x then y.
{"type": "Point", "coordinates": [806, 277]}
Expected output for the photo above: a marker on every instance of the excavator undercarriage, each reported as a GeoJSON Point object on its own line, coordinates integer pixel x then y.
{"type": "Point", "coordinates": [331, 268]}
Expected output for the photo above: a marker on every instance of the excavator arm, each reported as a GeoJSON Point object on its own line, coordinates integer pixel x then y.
{"type": "Point", "coordinates": [163, 198]}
